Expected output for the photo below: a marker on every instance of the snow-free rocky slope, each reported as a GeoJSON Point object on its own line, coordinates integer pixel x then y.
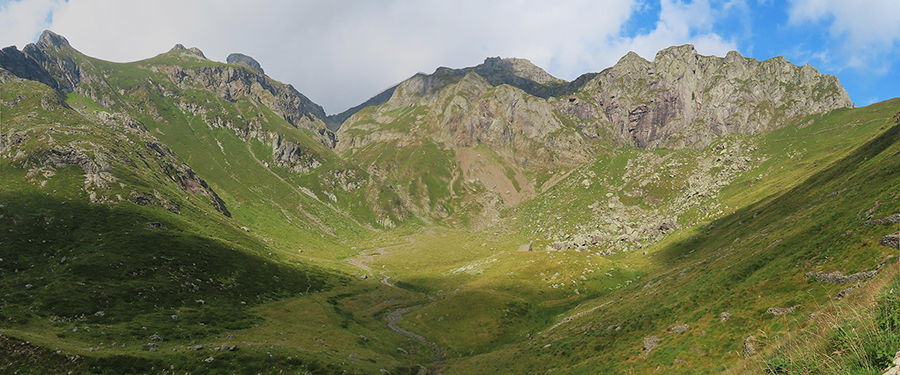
{"type": "Point", "coordinates": [685, 214]}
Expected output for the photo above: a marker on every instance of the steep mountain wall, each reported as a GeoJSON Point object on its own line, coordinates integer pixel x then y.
{"type": "Point", "coordinates": [680, 99]}
{"type": "Point", "coordinates": [683, 99]}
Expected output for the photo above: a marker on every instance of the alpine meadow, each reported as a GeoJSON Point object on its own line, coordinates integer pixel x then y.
{"type": "Point", "coordinates": [691, 214]}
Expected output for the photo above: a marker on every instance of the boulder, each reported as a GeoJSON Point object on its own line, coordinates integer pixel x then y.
{"type": "Point", "coordinates": [892, 240]}
{"type": "Point", "coordinates": [778, 311]}
{"type": "Point", "coordinates": [749, 346]}
{"type": "Point", "coordinates": [650, 343]}
{"type": "Point", "coordinates": [679, 328]}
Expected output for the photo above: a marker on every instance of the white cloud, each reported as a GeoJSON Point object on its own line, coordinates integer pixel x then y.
{"type": "Point", "coordinates": [681, 23]}
{"type": "Point", "coordinates": [867, 32]}
{"type": "Point", "coordinates": [23, 21]}
{"type": "Point", "coordinates": [340, 53]}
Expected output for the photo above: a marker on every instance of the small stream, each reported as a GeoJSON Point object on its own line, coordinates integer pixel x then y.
{"type": "Point", "coordinates": [439, 353]}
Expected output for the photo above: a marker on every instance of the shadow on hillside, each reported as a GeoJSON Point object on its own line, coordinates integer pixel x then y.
{"type": "Point", "coordinates": [68, 259]}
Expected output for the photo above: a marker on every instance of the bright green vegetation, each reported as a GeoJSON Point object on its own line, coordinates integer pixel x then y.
{"type": "Point", "coordinates": [849, 340]}
{"type": "Point", "coordinates": [98, 279]}
{"type": "Point", "coordinates": [319, 248]}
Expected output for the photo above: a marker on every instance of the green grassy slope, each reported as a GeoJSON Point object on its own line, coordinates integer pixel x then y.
{"type": "Point", "coordinates": [108, 239]}
{"type": "Point", "coordinates": [744, 263]}
{"type": "Point", "coordinates": [784, 218]}
{"type": "Point", "coordinates": [152, 203]}
{"type": "Point", "coordinates": [214, 136]}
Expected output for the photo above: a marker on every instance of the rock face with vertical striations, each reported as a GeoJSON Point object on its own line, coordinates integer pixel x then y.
{"type": "Point", "coordinates": [53, 52]}
{"type": "Point", "coordinates": [17, 63]}
{"type": "Point", "coordinates": [534, 123]}
{"type": "Point", "coordinates": [680, 99]}
{"type": "Point", "coordinates": [683, 99]}
{"type": "Point", "coordinates": [462, 108]}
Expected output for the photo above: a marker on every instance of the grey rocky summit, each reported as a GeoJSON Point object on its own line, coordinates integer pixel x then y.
{"type": "Point", "coordinates": [193, 51]}
{"type": "Point", "coordinates": [684, 99]}
{"type": "Point", "coordinates": [245, 61]}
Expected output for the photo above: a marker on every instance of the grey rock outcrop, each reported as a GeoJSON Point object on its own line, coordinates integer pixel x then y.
{"type": "Point", "coordinates": [683, 99]}
{"type": "Point", "coordinates": [778, 311]}
{"type": "Point", "coordinates": [679, 328]}
{"type": "Point", "coordinates": [838, 277]}
{"type": "Point", "coordinates": [53, 52]}
{"type": "Point", "coordinates": [232, 83]}
{"type": "Point", "coordinates": [520, 68]}
{"type": "Point", "coordinates": [245, 61]}
{"type": "Point", "coordinates": [54, 62]}
{"type": "Point", "coordinates": [892, 219]}
{"type": "Point", "coordinates": [891, 240]}
{"type": "Point", "coordinates": [724, 315]}
{"type": "Point", "coordinates": [21, 66]}
{"type": "Point", "coordinates": [650, 343]}
{"type": "Point", "coordinates": [848, 291]}
{"type": "Point", "coordinates": [895, 368]}
{"type": "Point", "coordinates": [193, 51]}
{"type": "Point", "coordinates": [749, 346]}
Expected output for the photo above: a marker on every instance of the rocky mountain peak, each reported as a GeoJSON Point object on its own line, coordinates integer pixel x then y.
{"type": "Point", "coordinates": [733, 56]}
{"type": "Point", "coordinates": [631, 62]}
{"type": "Point", "coordinates": [683, 99]}
{"type": "Point", "coordinates": [519, 67]}
{"type": "Point", "coordinates": [51, 39]}
{"type": "Point", "coordinates": [682, 52]}
{"type": "Point", "coordinates": [245, 61]}
{"type": "Point", "coordinates": [56, 57]}
{"type": "Point", "coordinates": [193, 51]}
{"type": "Point", "coordinates": [631, 57]}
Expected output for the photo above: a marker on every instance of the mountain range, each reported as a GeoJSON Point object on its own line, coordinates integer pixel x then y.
{"type": "Point", "coordinates": [690, 214]}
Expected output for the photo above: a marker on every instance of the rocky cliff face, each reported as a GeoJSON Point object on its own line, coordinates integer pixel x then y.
{"type": "Point", "coordinates": [231, 83]}
{"type": "Point", "coordinates": [54, 54]}
{"type": "Point", "coordinates": [107, 147]}
{"type": "Point", "coordinates": [53, 62]}
{"type": "Point", "coordinates": [467, 111]}
{"type": "Point", "coordinates": [682, 99]}
{"type": "Point", "coordinates": [536, 124]}
{"type": "Point", "coordinates": [14, 61]}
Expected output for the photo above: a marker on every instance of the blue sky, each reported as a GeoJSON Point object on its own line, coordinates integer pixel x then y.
{"type": "Point", "coordinates": [340, 53]}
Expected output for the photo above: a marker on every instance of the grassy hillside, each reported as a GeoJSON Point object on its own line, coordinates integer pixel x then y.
{"type": "Point", "coordinates": [109, 239]}
{"type": "Point", "coordinates": [740, 265]}
{"type": "Point", "coordinates": [578, 312]}
{"type": "Point", "coordinates": [180, 199]}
